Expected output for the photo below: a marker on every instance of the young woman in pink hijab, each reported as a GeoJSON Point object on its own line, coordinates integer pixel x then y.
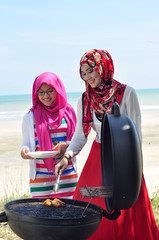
{"type": "Point", "coordinates": [50, 120]}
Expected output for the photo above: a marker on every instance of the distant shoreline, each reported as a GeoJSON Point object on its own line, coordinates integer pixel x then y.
{"type": "Point", "coordinates": [138, 91]}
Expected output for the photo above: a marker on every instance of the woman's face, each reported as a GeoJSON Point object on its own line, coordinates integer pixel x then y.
{"type": "Point", "coordinates": [47, 94]}
{"type": "Point", "coordinates": [91, 76]}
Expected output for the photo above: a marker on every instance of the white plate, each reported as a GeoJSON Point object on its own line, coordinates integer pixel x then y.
{"type": "Point", "coordinates": [42, 154]}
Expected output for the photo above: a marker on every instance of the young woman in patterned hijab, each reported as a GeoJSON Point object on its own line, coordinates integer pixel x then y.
{"type": "Point", "coordinates": [102, 97]}
{"type": "Point", "coordinates": [96, 69]}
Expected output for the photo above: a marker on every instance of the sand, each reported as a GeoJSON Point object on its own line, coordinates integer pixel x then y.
{"type": "Point", "coordinates": [15, 171]}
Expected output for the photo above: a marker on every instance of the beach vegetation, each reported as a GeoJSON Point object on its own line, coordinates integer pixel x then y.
{"type": "Point", "coordinates": [5, 231]}
{"type": "Point", "coordinates": [155, 205]}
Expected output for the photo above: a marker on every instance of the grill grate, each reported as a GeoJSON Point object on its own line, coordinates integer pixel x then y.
{"type": "Point", "coordinates": [100, 192]}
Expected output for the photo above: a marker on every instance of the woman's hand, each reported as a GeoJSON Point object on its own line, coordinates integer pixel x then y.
{"type": "Point", "coordinates": [61, 146]}
{"type": "Point", "coordinates": [62, 165]}
{"type": "Point", "coordinates": [24, 152]}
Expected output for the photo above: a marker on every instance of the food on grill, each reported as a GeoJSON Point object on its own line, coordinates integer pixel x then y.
{"type": "Point", "coordinates": [56, 203]}
{"type": "Point", "coordinates": [48, 203]}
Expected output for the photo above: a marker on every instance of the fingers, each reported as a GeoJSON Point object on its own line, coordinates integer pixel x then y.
{"type": "Point", "coordinates": [61, 166]}
{"type": "Point", "coordinates": [61, 170]}
{"type": "Point", "coordinates": [61, 148]}
{"type": "Point", "coordinates": [56, 148]}
{"type": "Point", "coordinates": [24, 152]}
{"type": "Point", "coordinates": [57, 169]}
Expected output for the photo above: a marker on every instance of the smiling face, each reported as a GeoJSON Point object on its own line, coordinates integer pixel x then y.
{"type": "Point", "coordinates": [91, 76]}
{"type": "Point", "coordinates": [47, 94]}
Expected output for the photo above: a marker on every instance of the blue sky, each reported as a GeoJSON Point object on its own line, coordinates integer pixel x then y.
{"type": "Point", "coordinates": [38, 36]}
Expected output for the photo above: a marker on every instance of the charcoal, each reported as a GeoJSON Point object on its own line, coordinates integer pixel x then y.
{"type": "Point", "coordinates": [39, 210]}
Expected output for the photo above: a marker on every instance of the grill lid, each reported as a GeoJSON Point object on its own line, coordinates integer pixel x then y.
{"type": "Point", "coordinates": [121, 159]}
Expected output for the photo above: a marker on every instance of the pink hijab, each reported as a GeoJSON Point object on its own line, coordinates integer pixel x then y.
{"type": "Point", "coordinates": [51, 115]}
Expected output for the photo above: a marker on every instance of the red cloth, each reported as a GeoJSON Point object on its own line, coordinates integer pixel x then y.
{"type": "Point", "coordinates": [106, 94]}
{"type": "Point", "coordinates": [135, 223]}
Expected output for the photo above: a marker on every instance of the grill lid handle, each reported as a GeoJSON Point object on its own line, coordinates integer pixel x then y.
{"type": "Point", "coordinates": [112, 216]}
{"type": "Point", "coordinates": [115, 109]}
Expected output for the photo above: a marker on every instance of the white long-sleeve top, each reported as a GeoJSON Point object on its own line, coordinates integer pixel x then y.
{"type": "Point", "coordinates": [28, 140]}
{"type": "Point", "coordinates": [128, 106]}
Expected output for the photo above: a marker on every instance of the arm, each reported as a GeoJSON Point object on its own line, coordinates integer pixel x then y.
{"type": "Point", "coordinates": [133, 108]}
{"type": "Point", "coordinates": [78, 140]}
{"type": "Point", "coordinates": [25, 148]}
{"type": "Point", "coordinates": [77, 143]}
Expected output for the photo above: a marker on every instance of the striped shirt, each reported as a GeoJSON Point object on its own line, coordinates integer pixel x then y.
{"type": "Point", "coordinates": [44, 182]}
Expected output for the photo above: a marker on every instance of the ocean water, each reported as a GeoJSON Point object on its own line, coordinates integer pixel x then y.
{"type": "Point", "coordinates": [13, 107]}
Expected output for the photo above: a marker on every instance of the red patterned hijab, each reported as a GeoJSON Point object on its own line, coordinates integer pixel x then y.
{"type": "Point", "coordinates": [106, 94]}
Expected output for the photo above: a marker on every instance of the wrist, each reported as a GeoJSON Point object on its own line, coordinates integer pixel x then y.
{"type": "Point", "coordinates": [67, 157]}
{"type": "Point", "coordinates": [68, 143]}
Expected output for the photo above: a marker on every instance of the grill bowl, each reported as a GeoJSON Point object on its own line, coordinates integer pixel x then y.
{"type": "Point", "coordinates": [31, 220]}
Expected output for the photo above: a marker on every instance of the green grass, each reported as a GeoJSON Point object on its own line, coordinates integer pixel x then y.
{"type": "Point", "coordinates": [7, 234]}
{"type": "Point", "coordinates": [5, 231]}
{"type": "Point", "coordinates": [155, 205]}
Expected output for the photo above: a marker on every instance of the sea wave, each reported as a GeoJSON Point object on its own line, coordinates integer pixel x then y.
{"type": "Point", "coordinates": [12, 115]}
{"type": "Point", "coordinates": [149, 107]}
{"type": "Point", "coordinates": [18, 115]}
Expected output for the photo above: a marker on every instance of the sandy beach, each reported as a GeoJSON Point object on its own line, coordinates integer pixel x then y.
{"type": "Point", "coordinates": [15, 171]}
